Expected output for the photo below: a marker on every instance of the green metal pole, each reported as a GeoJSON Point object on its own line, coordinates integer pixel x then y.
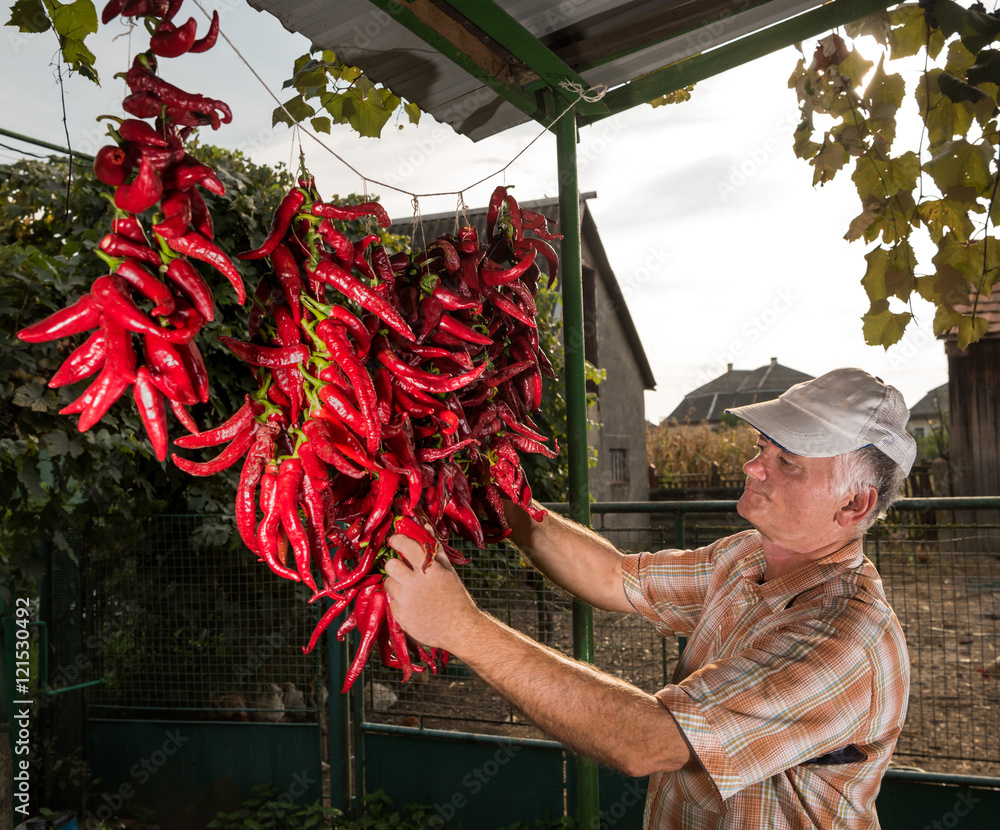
{"type": "Point", "coordinates": [587, 807]}
{"type": "Point", "coordinates": [339, 726]}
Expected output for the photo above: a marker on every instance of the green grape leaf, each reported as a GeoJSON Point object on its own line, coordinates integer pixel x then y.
{"type": "Point", "coordinates": [986, 69]}
{"type": "Point", "coordinates": [855, 66]}
{"type": "Point", "coordinates": [959, 91]}
{"type": "Point", "coordinates": [961, 164]}
{"type": "Point", "coordinates": [874, 25]}
{"type": "Point", "coordinates": [976, 261]}
{"type": "Point", "coordinates": [976, 29]}
{"type": "Point", "coordinates": [369, 117]}
{"type": "Point", "coordinates": [295, 110]}
{"type": "Point", "coordinates": [831, 158]}
{"type": "Point", "coordinates": [29, 16]}
{"type": "Point", "coordinates": [883, 178]}
{"type": "Point", "coordinates": [959, 59]}
{"type": "Point", "coordinates": [882, 327]}
{"type": "Point", "coordinates": [73, 20]}
{"type": "Point", "coordinates": [941, 215]}
{"type": "Point", "coordinates": [909, 33]}
{"type": "Point", "coordinates": [889, 273]}
{"type": "Point", "coordinates": [943, 117]}
{"type": "Point", "coordinates": [968, 328]}
{"type": "Point", "coordinates": [413, 112]}
{"type": "Point", "coordinates": [321, 124]}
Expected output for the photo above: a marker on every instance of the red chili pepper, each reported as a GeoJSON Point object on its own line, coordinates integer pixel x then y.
{"type": "Point", "coordinates": [457, 328]}
{"type": "Point", "coordinates": [493, 277]}
{"type": "Point", "coordinates": [349, 213]}
{"type": "Point", "coordinates": [289, 482]}
{"type": "Point", "coordinates": [369, 625]}
{"type": "Point", "coordinates": [85, 359]}
{"type": "Point", "coordinates": [253, 467]}
{"type": "Point", "coordinates": [168, 371]}
{"type": "Point", "coordinates": [269, 527]}
{"type": "Point", "coordinates": [141, 132]}
{"type": "Point", "coordinates": [83, 315]}
{"type": "Point", "coordinates": [208, 41]}
{"type": "Point", "coordinates": [508, 306]}
{"type": "Point", "coordinates": [286, 269]}
{"type": "Point", "coordinates": [493, 212]}
{"type": "Point", "coordinates": [149, 402]}
{"type": "Point", "coordinates": [116, 375]}
{"type": "Point", "coordinates": [363, 295]}
{"type": "Point", "coordinates": [268, 356]}
{"type": "Point", "coordinates": [419, 534]}
{"type": "Point", "coordinates": [112, 10]}
{"type": "Point", "coordinates": [335, 610]}
{"type": "Point", "coordinates": [201, 219]}
{"type": "Point", "coordinates": [189, 172]}
{"type": "Point", "coordinates": [176, 208]}
{"type": "Point", "coordinates": [343, 250]}
{"type": "Point", "coordinates": [116, 245]}
{"type": "Point", "coordinates": [196, 368]}
{"type": "Point", "coordinates": [112, 165]}
{"type": "Point", "coordinates": [236, 424]}
{"type": "Point", "coordinates": [385, 495]}
{"type": "Point", "coordinates": [144, 191]}
{"type": "Point", "coordinates": [287, 210]}
{"type": "Point", "coordinates": [335, 337]}
{"type": "Point", "coordinates": [196, 246]}
{"type": "Point", "coordinates": [230, 455]}
{"type": "Point", "coordinates": [141, 79]}
{"type": "Point", "coordinates": [111, 295]}
{"type": "Point", "coordinates": [169, 41]}
{"type": "Point", "coordinates": [130, 227]}
{"type": "Point", "coordinates": [425, 381]}
{"type": "Point", "coordinates": [192, 284]}
{"type": "Point", "coordinates": [142, 105]}
{"type": "Point", "coordinates": [148, 286]}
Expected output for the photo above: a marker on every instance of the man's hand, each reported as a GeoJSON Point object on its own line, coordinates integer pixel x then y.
{"type": "Point", "coordinates": [432, 606]}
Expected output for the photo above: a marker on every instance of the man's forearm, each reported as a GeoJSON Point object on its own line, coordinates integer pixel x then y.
{"type": "Point", "coordinates": [589, 712]}
{"type": "Point", "coordinates": [572, 556]}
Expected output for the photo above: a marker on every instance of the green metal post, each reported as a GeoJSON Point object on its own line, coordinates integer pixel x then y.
{"type": "Point", "coordinates": [587, 808]}
{"type": "Point", "coordinates": [339, 736]}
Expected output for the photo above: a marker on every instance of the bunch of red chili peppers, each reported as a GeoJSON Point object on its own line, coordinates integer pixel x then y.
{"type": "Point", "coordinates": [152, 292]}
{"type": "Point", "coordinates": [394, 395]}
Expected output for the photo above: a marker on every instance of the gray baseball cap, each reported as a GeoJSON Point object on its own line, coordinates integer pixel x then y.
{"type": "Point", "coordinates": [836, 413]}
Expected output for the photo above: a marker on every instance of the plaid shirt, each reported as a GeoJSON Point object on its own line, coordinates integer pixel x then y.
{"type": "Point", "coordinates": [791, 693]}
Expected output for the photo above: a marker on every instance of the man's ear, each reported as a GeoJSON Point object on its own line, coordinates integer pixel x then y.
{"type": "Point", "coordinates": [856, 509]}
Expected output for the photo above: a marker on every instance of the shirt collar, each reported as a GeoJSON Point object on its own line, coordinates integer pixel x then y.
{"type": "Point", "coordinates": [779, 592]}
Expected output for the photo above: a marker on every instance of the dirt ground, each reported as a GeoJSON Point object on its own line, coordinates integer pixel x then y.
{"type": "Point", "coordinates": [948, 605]}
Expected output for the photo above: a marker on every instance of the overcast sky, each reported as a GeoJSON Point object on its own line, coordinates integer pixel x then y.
{"type": "Point", "coordinates": [724, 250]}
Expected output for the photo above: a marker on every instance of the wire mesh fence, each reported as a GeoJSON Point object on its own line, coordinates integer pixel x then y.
{"type": "Point", "coordinates": [942, 578]}
{"type": "Point", "coordinates": [179, 626]}
{"type": "Point", "coordinates": [182, 627]}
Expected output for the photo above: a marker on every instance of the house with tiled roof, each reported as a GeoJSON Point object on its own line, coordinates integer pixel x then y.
{"type": "Point", "coordinates": [737, 387]}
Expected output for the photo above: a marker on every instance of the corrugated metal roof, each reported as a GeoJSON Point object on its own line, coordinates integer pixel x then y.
{"type": "Point", "coordinates": [610, 42]}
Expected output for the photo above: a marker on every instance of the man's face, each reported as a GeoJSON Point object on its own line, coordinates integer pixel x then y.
{"type": "Point", "coordinates": [791, 499]}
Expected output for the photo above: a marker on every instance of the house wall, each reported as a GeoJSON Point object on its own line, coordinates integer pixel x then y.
{"type": "Point", "coordinates": [974, 428]}
{"type": "Point", "coordinates": [620, 411]}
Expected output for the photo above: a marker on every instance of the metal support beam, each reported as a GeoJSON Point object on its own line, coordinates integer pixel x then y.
{"type": "Point", "coordinates": [571, 267]}
{"type": "Point", "coordinates": [731, 55]}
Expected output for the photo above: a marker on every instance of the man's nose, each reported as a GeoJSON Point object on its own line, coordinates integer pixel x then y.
{"type": "Point", "coordinates": [754, 468]}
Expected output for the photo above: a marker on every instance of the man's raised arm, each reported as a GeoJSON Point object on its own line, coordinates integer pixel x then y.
{"type": "Point", "coordinates": [572, 556]}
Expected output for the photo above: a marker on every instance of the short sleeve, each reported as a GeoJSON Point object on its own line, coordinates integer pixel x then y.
{"type": "Point", "coordinates": [669, 587]}
{"type": "Point", "coordinates": [796, 694]}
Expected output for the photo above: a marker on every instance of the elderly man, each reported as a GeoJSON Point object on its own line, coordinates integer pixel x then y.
{"type": "Point", "coordinates": [790, 695]}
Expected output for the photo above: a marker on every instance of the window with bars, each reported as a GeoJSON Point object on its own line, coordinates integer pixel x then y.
{"type": "Point", "coordinates": [619, 466]}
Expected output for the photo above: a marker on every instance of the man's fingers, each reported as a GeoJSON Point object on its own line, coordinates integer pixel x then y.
{"type": "Point", "coordinates": [410, 551]}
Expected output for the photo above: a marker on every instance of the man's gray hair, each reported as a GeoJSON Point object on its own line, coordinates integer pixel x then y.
{"type": "Point", "coordinates": [870, 467]}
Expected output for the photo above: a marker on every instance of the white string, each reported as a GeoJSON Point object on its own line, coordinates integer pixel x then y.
{"type": "Point", "coordinates": [591, 95]}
